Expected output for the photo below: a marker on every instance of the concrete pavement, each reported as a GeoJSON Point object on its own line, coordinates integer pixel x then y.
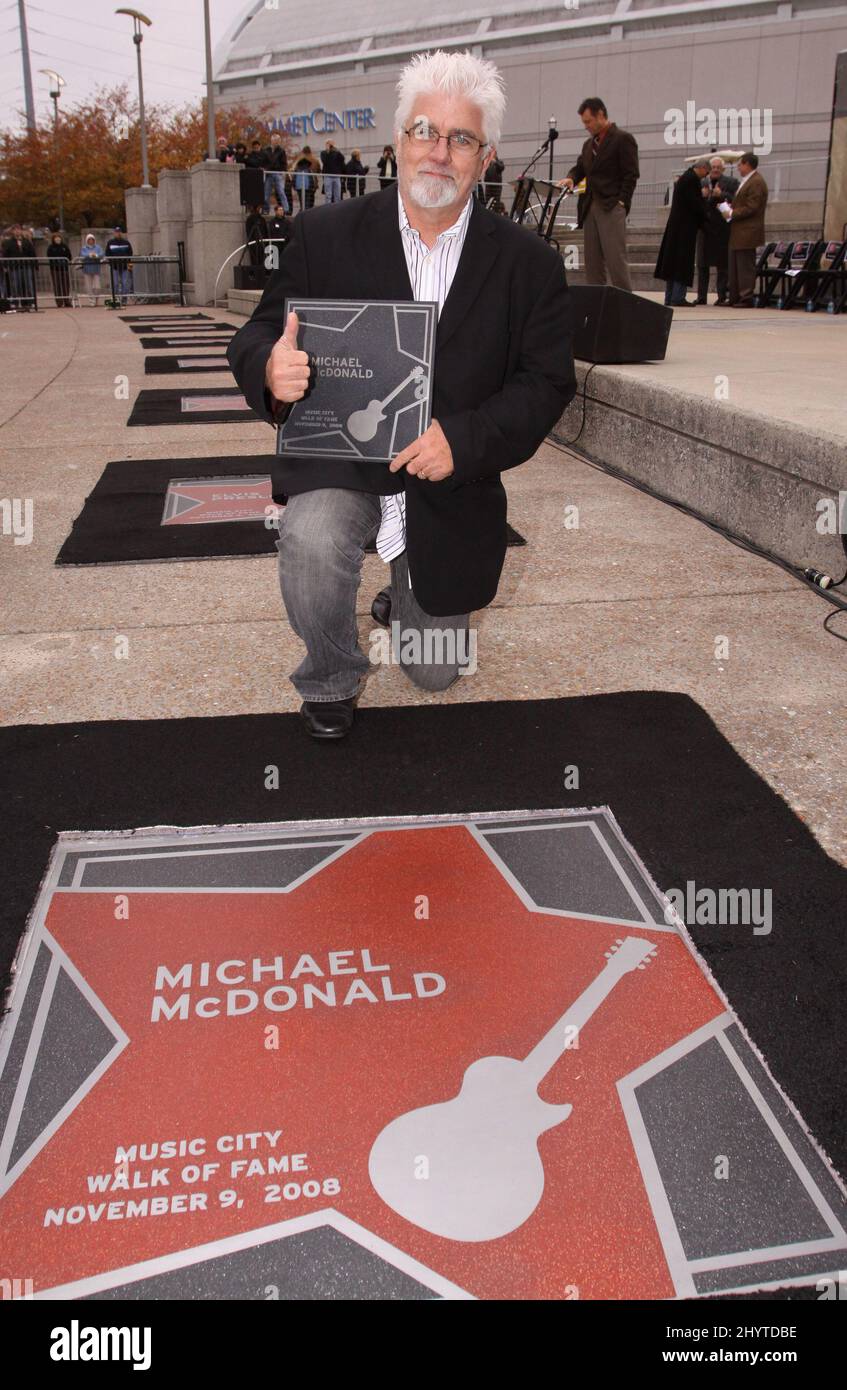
{"type": "Point", "coordinates": [636, 596]}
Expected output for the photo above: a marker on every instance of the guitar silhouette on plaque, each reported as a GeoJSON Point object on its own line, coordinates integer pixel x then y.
{"type": "Point", "coordinates": [363, 424]}
{"type": "Point", "coordinates": [484, 1172]}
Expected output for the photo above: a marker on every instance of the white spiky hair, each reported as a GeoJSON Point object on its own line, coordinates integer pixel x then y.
{"type": "Point", "coordinates": [460, 75]}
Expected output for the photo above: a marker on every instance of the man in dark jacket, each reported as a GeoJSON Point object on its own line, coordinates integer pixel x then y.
{"type": "Point", "coordinates": [688, 216]}
{"type": "Point", "coordinates": [713, 241]}
{"type": "Point", "coordinates": [332, 163]}
{"type": "Point", "coordinates": [19, 250]}
{"type": "Point", "coordinates": [277, 226]}
{"type": "Point", "coordinates": [609, 164]}
{"type": "Point", "coordinates": [355, 171]}
{"type": "Point", "coordinates": [503, 374]}
{"type": "Point", "coordinates": [387, 166]}
{"type": "Point", "coordinates": [119, 257]}
{"type": "Point", "coordinates": [493, 187]}
{"type": "Point", "coordinates": [255, 234]}
{"type": "Point", "coordinates": [59, 256]}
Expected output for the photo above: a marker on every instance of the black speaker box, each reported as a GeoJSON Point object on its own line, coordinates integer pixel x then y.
{"type": "Point", "coordinates": [249, 277]}
{"type": "Point", "coordinates": [252, 187]}
{"type": "Point", "coordinates": [613, 325]}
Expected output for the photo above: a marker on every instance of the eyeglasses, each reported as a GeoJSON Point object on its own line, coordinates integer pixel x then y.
{"type": "Point", "coordinates": [458, 141]}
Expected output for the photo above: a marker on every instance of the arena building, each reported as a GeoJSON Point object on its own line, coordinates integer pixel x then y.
{"type": "Point", "coordinates": [680, 76]}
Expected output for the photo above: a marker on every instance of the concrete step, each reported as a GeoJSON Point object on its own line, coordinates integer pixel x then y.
{"type": "Point", "coordinates": [640, 273]}
{"type": "Point", "coordinates": [641, 246]}
{"type": "Point", "coordinates": [759, 475]}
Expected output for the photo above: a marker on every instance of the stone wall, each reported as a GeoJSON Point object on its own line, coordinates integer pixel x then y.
{"type": "Point", "coordinates": [200, 207]}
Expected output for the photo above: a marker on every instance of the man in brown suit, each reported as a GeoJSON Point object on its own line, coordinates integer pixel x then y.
{"type": "Point", "coordinates": [609, 163]}
{"type": "Point", "coordinates": [746, 231]}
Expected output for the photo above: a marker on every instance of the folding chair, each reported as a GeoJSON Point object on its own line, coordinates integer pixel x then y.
{"type": "Point", "coordinates": [805, 257]}
{"type": "Point", "coordinates": [770, 265]}
{"type": "Point", "coordinates": [828, 279]}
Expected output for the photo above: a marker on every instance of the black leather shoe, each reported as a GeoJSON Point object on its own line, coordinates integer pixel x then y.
{"type": "Point", "coordinates": [381, 608]}
{"type": "Point", "coordinates": [328, 718]}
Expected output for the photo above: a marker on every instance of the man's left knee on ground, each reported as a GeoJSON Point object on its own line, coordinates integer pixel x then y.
{"type": "Point", "coordinates": [434, 679]}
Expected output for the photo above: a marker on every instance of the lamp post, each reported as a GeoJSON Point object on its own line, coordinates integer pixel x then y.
{"type": "Point", "coordinates": [56, 85]}
{"type": "Point", "coordinates": [210, 97]}
{"type": "Point", "coordinates": [137, 35]}
{"type": "Point", "coordinates": [30, 104]}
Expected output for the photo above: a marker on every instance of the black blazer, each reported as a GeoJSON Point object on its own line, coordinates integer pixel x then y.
{"type": "Point", "coordinates": [612, 173]}
{"type": "Point", "coordinates": [503, 375]}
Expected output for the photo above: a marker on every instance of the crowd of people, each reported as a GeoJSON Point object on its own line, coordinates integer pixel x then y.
{"type": "Point", "coordinates": [304, 174]}
{"type": "Point", "coordinates": [718, 222]}
{"type": "Point", "coordinates": [18, 269]}
{"type": "Point", "coordinates": [715, 222]}
{"type": "Point", "coordinates": [298, 179]}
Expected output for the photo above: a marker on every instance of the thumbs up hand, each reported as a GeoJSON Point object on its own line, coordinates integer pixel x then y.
{"type": "Point", "coordinates": [287, 373]}
{"type": "Point", "coordinates": [292, 328]}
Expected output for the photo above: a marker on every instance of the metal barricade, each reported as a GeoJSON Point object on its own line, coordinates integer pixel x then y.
{"type": "Point", "coordinates": [19, 282]}
{"type": "Point", "coordinates": [148, 280]}
{"type": "Point", "coordinates": [47, 282]}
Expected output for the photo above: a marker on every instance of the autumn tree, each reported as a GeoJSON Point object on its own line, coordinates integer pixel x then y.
{"type": "Point", "coordinates": [98, 148]}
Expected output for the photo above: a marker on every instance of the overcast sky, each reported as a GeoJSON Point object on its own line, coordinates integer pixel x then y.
{"type": "Point", "coordinates": [90, 46]}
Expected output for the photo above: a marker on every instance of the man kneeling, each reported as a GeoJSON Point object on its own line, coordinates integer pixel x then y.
{"type": "Point", "coordinates": [503, 375]}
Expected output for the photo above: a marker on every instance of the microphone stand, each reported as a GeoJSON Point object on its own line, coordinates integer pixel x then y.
{"type": "Point", "coordinates": [521, 198]}
{"type": "Point", "coordinates": [552, 137]}
{"type": "Point", "coordinates": [538, 153]}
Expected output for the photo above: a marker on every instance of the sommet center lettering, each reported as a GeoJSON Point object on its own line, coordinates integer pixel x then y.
{"type": "Point", "coordinates": [320, 121]}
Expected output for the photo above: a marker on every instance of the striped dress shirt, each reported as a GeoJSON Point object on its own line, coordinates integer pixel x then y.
{"type": "Point", "coordinates": [431, 274]}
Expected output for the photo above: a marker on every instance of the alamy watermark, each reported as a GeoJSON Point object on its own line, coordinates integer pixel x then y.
{"type": "Point", "coordinates": [16, 519]}
{"type": "Point", "coordinates": [427, 646]}
{"type": "Point", "coordinates": [831, 516]}
{"type": "Point", "coordinates": [722, 907]}
{"type": "Point", "coordinates": [742, 127]}
{"type": "Point", "coordinates": [16, 1288]}
{"type": "Point", "coordinates": [79, 1342]}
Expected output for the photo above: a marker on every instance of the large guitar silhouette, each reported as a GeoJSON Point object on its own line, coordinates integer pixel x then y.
{"type": "Point", "coordinates": [469, 1168]}
{"type": "Point", "coordinates": [363, 424]}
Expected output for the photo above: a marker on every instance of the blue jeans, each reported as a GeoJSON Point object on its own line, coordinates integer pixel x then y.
{"type": "Point", "coordinates": [321, 546]}
{"type": "Point", "coordinates": [676, 292]}
{"type": "Point", "coordinates": [275, 181]}
{"type": "Point", "coordinates": [332, 188]}
{"type": "Point", "coordinates": [122, 280]}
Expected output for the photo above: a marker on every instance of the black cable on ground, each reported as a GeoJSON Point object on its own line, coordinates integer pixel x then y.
{"type": "Point", "coordinates": [582, 422]}
{"type": "Point", "coordinates": [567, 446]}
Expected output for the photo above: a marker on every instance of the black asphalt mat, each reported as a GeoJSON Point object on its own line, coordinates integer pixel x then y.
{"type": "Point", "coordinates": [196, 362]}
{"type": "Point", "coordinates": [167, 330]}
{"type": "Point", "coordinates": [186, 343]}
{"type": "Point", "coordinates": [163, 318]}
{"type": "Point", "coordinates": [121, 521]}
{"type": "Point", "coordinates": [687, 803]}
{"type": "Point", "coordinates": [165, 408]}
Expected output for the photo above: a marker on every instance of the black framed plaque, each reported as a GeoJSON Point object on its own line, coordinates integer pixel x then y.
{"type": "Point", "coordinates": [371, 389]}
